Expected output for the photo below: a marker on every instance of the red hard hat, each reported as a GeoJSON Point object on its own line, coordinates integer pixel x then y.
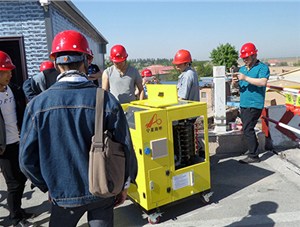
{"type": "Point", "coordinates": [146, 73]}
{"type": "Point", "coordinates": [118, 53]}
{"type": "Point", "coordinates": [46, 65]}
{"type": "Point", "coordinates": [182, 56]}
{"type": "Point", "coordinates": [247, 50]}
{"type": "Point", "coordinates": [71, 41]}
{"type": "Point", "coordinates": [5, 62]}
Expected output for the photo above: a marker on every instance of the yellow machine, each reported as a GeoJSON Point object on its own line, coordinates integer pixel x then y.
{"type": "Point", "coordinates": [172, 161]}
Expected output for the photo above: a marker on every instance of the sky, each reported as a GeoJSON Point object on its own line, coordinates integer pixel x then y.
{"type": "Point", "coordinates": [158, 29]}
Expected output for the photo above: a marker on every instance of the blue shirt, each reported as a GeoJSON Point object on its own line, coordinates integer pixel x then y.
{"type": "Point", "coordinates": [252, 96]}
{"type": "Point", "coordinates": [188, 85]}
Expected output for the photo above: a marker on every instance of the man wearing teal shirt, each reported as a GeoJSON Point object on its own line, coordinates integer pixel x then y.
{"type": "Point", "coordinates": [252, 79]}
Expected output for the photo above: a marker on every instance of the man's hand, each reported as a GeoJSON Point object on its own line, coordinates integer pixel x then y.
{"type": "Point", "coordinates": [241, 76]}
{"type": "Point", "coordinates": [95, 76]}
{"type": "Point", "coordinates": [235, 78]}
{"type": "Point", "coordinates": [120, 198]}
{"type": "Point", "coordinates": [260, 82]}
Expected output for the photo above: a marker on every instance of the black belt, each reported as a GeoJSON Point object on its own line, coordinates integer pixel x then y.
{"type": "Point", "coordinates": [13, 144]}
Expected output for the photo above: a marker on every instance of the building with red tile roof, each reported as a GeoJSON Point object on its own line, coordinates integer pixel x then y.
{"type": "Point", "coordinates": [160, 69]}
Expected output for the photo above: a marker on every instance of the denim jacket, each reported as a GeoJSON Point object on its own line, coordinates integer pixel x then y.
{"type": "Point", "coordinates": [39, 83]}
{"type": "Point", "coordinates": [56, 138]}
{"type": "Point", "coordinates": [20, 107]}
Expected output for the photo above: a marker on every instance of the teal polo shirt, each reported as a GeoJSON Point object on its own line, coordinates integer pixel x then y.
{"type": "Point", "coordinates": [252, 96]}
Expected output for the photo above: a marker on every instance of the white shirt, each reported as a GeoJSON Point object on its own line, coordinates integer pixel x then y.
{"type": "Point", "coordinates": [8, 109]}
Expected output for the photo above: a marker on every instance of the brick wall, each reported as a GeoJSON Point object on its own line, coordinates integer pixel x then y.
{"type": "Point", "coordinates": [60, 23]}
{"type": "Point", "coordinates": [26, 19]}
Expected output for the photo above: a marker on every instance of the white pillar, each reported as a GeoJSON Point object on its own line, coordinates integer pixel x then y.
{"type": "Point", "coordinates": [219, 99]}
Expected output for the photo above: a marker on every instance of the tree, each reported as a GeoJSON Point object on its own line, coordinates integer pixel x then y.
{"type": "Point", "coordinates": [108, 63]}
{"type": "Point", "coordinates": [283, 63]}
{"type": "Point", "coordinates": [226, 55]}
{"type": "Point", "coordinates": [297, 63]}
{"type": "Point", "coordinates": [203, 68]}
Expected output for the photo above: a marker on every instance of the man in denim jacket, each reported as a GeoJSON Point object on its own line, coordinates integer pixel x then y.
{"type": "Point", "coordinates": [40, 82]}
{"type": "Point", "coordinates": [56, 137]}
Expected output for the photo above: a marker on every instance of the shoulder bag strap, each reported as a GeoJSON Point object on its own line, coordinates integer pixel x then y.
{"type": "Point", "coordinates": [98, 138]}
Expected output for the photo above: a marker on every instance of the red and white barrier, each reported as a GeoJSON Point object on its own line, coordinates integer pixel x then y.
{"type": "Point", "coordinates": [290, 128]}
{"type": "Point", "coordinates": [290, 90]}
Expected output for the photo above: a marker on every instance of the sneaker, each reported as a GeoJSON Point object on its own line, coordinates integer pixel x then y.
{"type": "Point", "coordinates": [24, 223]}
{"type": "Point", "coordinates": [250, 160]}
{"type": "Point", "coordinates": [246, 152]}
{"type": "Point", "coordinates": [27, 215]}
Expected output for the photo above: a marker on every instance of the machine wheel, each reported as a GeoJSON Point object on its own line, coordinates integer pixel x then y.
{"type": "Point", "coordinates": [153, 220]}
{"type": "Point", "coordinates": [205, 197]}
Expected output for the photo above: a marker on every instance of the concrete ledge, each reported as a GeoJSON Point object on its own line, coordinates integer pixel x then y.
{"type": "Point", "coordinates": [232, 143]}
{"type": "Point", "coordinates": [229, 143]}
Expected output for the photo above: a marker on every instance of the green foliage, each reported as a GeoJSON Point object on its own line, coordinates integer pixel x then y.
{"type": "Point", "coordinates": [297, 63]}
{"type": "Point", "coordinates": [108, 63]}
{"type": "Point", "coordinates": [172, 76]}
{"type": "Point", "coordinates": [143, 63]}
{"type": "Point", "coordinates": [224, 54]}
{"type": "Point", "coordinates": [140, 64]}
{"type": "Point", "coordinates": [282, 64]}
{"type": "Point", "coordinates": [203, 68]}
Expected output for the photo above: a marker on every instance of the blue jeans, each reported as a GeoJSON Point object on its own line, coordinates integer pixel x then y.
{"type": "Point", "coordinates": [249, 117]}
{"type": "Point", "coordinates": [100, 214]}
{"type": "Point", "coordinates": [14, 179]}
